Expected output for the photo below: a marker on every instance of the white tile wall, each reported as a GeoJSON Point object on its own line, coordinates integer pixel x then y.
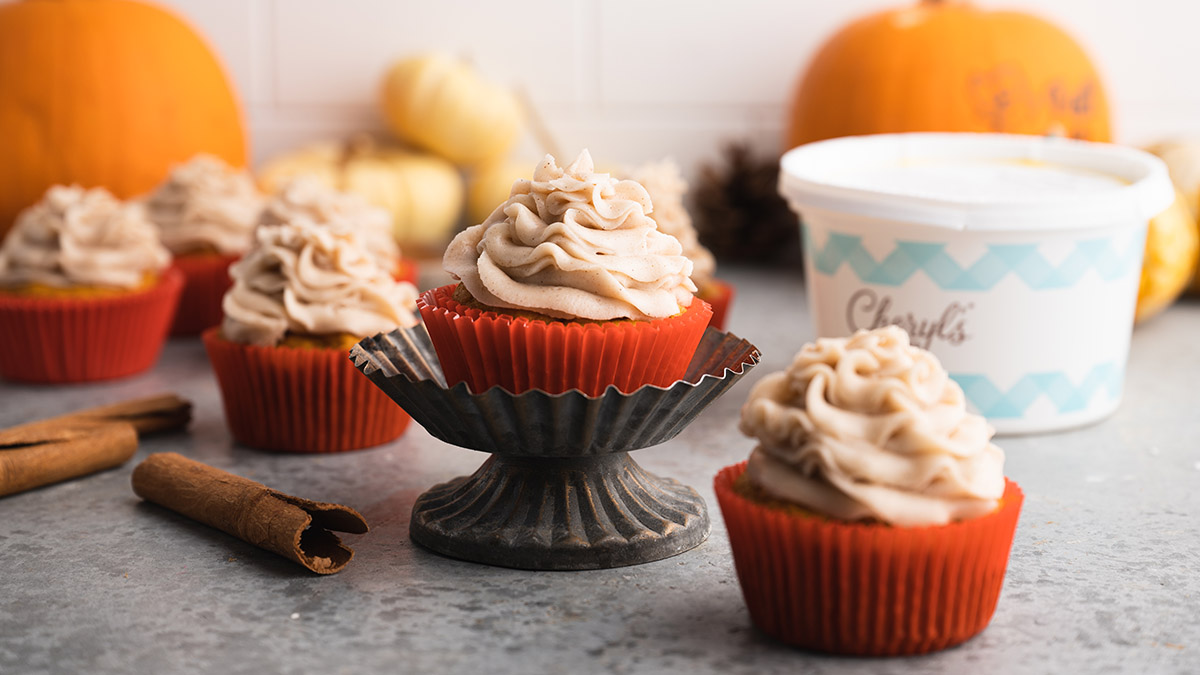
{"type": "Point", "coordinates": [637, 79]}
{"type": "Point", "coordinates": [716, 54]}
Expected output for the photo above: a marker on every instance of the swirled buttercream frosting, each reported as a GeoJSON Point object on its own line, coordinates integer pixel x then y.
{"type": "Point", "coordinates": [307, 278]}
{"type": "Point", "coordinates": [309, 197]}
{"type": "Point", "coordinates": [78, 237]}
{"type": "Point", "coordinates": [574, 244]}
{"type": "Point", "coordinates": [870, 427]}
{"type": "Point", "coordinates": [666, 187]}
{"type": "Point", "coordinates": [204, 205]}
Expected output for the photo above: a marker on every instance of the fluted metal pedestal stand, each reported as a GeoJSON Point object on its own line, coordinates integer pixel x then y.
{"type": "Point", "coordinates": [560, 491]}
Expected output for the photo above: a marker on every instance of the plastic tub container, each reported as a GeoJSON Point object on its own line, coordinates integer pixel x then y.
{"type": "Point", "coordinates": [1015, 259]}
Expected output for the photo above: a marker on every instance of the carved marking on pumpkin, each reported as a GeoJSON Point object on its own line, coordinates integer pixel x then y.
{"type": "Point", "coordinates": [1072, 108]}
{"type": "Point", "coordinates": [1002, 96]}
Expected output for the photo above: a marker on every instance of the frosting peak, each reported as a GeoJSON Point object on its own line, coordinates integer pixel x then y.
{"type": "Point", "coordinates": [309, 197]}
{"type": "Point", "coordinates": [872, 427]}
{"type": "Point", "coordinates": [78, 237]}
{"type": "Point", "coordinates": [572, 243]}
{"type": "Point", "coordinates": [305, 277]}
{"type": "Point", "coordinates": [205, 205]}
{"type": "Point", "coordinates": [666, 186]}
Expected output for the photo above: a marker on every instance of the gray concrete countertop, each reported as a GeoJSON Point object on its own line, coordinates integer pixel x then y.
{"type": "Point", "coordinates": [1104, 574]}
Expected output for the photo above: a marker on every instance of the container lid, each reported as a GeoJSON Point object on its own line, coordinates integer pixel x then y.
{"type": "Point", "coordinates": [963, 181]}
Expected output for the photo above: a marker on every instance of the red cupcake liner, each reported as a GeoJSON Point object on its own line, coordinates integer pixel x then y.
{"type": "Point", "coordinates": [720, 295]}
{"type": "Point", "coordinates": [59, 340]}
{"type": "Point", "coordinates": [207, 280]}
{"type": "Point", "coordinates": [867, 589]}
{"type": "Point", "coordinates": [486, 348]}
{"type": "Point", "coordinates": [300, 400]}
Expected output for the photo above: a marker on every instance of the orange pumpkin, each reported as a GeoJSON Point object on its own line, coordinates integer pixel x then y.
{"type": "Point", "coordinates": [105, 93]}
{"type": "Point", "coordinates": [949, 66]}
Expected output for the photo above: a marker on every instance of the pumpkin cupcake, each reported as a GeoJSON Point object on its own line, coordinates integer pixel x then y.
{"type": "Point", "coordinates": [85, 289]}
{"type": "Point", "coordinates": [873, 517]}
{"type": "Point", "coordinates": [567, 285]}
{"type": "Point", "coordinates": [303, 295]}
{"type": "Point", "coordinates": [309, 197]}
{"type": "Point", "coordinates": [666, 187]}
{"type": "Point", "coordinates": [206, 212]}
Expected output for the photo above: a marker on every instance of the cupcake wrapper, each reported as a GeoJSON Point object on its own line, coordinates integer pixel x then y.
{"type": "Point", "coordinates": [860, 589]}
{"type": "Point", "coordinates": [486, 349]}
{"type": "Point", "coordinates": [719, 295]}
{"type": "Point", "coordinates": [299, 400]}
{"type": "Point", "coordinates": [58, 340]}
{"type": "Point", "coordinates": [207, 280]}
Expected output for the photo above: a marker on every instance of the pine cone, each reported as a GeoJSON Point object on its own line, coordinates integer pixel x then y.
{"type": "Point", "coordinates": [738, 211]}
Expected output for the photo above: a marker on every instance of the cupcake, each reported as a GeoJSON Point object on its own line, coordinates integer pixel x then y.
{"type": "Point", "coordinates": [303, 295]}
{"type": "Point", "coordinates": [310, 197]}
{"type": "Point", "coordinates": [205, 212]}
{"type": "Point", "coordinates": [666, 188]}
{"type": "Point", "coordinates": [873, 517]}
{"type": "Point", "coordinates": [86, 292]}
{"type": "Point", "coordinates": [569, 284]}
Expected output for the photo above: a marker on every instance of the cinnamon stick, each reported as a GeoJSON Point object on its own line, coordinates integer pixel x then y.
{"type": "Point", "coordinates": [84, 442]}
{"type": "Point", "coordinates": [295, 528]}
{"type": "Point", "coordinates": [39, 454]}
{"type": "Point", "coordinates": [150, 415]}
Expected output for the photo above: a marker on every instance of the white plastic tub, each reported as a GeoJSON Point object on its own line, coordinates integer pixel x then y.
{"type": "Point", "coordinates": [1015, 259]}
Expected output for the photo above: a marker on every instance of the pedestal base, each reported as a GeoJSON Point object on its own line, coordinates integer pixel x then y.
{"type": "Point", "coordinates": [560, 514]}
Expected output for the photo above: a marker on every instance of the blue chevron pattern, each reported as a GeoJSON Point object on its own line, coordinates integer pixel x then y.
{"type": "Point", "coordinates": [1000, 260]}
{"type": "Point", "coordinates": [1067, 396]}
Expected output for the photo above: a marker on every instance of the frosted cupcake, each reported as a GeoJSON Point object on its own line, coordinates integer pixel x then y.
{"type": "Point", "coordinates": [569, 284]}
{"type": "Point", "coordinates": [206, 212]}
{"type": "Point", "coordinates": [873, 517]}
{"type": "Point", "coordinates": [309, 197]}
{"type": "Point", "coordinates": [666, 187]}
{"type": "Point", "coordinates": [85, 289]}
{"type": "Point", "coordinates": [302, 296]}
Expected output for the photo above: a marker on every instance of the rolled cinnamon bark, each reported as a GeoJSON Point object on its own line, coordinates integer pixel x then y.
{"type": "Point", "coordinates": [295, 528]}
{"type": "Point", "coordinates": [42, 453]}
{"type": "Point", "coordinates": [84, 442]}
{"type": "Point", "coordinates": [150, 415]}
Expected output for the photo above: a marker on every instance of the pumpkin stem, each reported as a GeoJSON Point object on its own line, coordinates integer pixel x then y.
{"type": "Point", "coordinates": [354, 147]}
{"type": "Point", "coordinates": [538, 125]}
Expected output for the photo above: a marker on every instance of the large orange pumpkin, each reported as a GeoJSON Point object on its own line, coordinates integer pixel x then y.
{"type": "Point", "coordinates": [105, 93]}
{"type": "Point", "coordinates": [949, 66]}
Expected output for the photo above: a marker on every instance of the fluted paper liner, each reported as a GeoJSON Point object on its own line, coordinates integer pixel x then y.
{"type": "Point", "coordinates": [404, 364]}
{"type": "Point", "coordinates": [295, 528]}
{"type": "Point", "coordinates": [58, 340]}
{"type": "Point", "coordinates": [866, 589]}
{"type": "Point", "coordinates": [719, 295]}
{"type": "Point", "coordinates": [206, 279]}
{"type": "Point", "coordinates": [299, 399]}
{"type": "Point", "coordinates": [486, 349]}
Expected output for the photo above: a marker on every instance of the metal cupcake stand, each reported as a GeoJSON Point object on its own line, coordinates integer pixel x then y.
{"type": "Point", "coordinates": [560, 490]}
